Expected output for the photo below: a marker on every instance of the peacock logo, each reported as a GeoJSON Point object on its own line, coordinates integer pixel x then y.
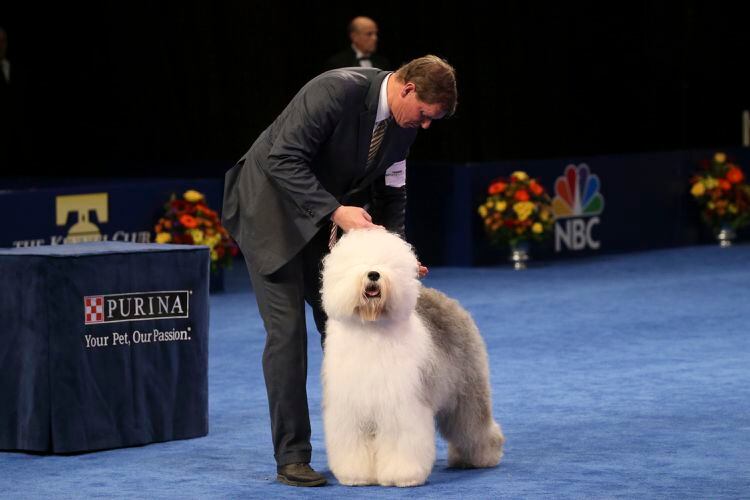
{"type": "Point", "coordinates": [576, 204]}
{"type": "Point", "coordinates": [577, 193]}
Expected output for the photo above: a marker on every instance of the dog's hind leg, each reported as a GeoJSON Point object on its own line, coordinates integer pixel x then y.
{"type": "Point", "coordinates": [474, 438]}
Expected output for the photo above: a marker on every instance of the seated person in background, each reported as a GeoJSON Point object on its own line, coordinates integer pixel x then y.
{"type": "Point", "coordinates": [363, 33]}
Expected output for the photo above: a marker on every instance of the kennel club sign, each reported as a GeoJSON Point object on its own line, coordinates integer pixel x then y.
{"type": "Point", "coordinates": [80, 208]}
{"type": "Point", "coordinates": [577, 205]}
{"type": "Point", "coordinates": [138, 306]}
{"type": "Point", "coordinates": [109, 210]}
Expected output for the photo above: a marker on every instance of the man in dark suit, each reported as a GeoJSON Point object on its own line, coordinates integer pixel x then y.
{"type": "Point", "coordinates": [333, 159]}
{"type": "Point", "coordinates": [363, 32]}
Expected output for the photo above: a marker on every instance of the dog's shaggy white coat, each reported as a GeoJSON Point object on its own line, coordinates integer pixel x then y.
{"type": "Point", "coordinates": [399, 357]}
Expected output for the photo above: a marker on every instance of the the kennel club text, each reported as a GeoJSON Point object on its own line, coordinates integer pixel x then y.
{"type": "Point", "coordinates": [137, 337]}
{"type": "Point", "coordinates": [137, 306]}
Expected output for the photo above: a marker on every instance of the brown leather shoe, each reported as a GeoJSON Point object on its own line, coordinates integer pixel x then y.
{"type": "Point", "coordinates": [299, 475]}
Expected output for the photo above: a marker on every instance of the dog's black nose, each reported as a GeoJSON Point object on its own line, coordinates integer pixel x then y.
{"type": "Point", "coordinates": [374, 276]}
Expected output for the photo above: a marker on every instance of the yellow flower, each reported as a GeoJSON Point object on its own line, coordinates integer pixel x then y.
{"type": "Point", "coordinates": [163, 238]}
{"type": "Point", "coordinates": [214, 255]}
{"type": "Point", "coordinates": [732, 208]}
{"type": "Point", "coordinates": [193, 196]}
{"type": "Point", "coordinates": [500, 206]}
{"type": "Point", "coordinates": [544, 215]}
{"type": "Point", "coordinates": [537, 228]}
{"type": "Point", "coordinates": [710, 205]}
{"type": "Point", "coordinates": [520, 175]}
{"type": "Point", "coordinates": [483, 211]}
{"type": "Point", "coordinates": [523, 209]}
{"type": "Point", "coordinates": [710, 182]}
{"type": "Point", "coordinates": [197, 235]}
{"type": "Point", "coordinates": [720, 157]}
{"type": "Point", "coordinates": [698, 189]}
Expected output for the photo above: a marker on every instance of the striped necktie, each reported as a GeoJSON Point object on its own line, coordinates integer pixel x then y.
{"type": "Point", "coordinates": [377, 139]}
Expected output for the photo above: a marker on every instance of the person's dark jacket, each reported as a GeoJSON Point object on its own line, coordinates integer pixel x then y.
{"type": "Point", "coordinates": [310, 161]}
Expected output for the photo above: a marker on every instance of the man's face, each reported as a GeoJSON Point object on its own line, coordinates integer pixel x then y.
{"type": "Point", "coordinates": [365, 36]}
{"type": "Point", "coordinates": [411, 112]}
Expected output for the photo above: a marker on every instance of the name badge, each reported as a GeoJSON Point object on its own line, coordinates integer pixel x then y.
{"type": "Point", "coordinates": [395, 175]}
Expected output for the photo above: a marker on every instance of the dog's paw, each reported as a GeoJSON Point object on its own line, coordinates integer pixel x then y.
{"type": "Point", "coordinates": [410, 481]}
{"type": "Point", "coordinates": [486, 453]}
{"type": "Point", "coordinates": [403, 480]}
{"type": "Point", "coordinates": [353, 476]}
{"type": "Point", "coordinates": [402, 474]}
{"type": "Point", "coordinates": [355, 480]}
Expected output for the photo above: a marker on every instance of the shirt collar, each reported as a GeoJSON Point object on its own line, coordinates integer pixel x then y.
{"type": "Point", "coordinates": [383, 110]}
{"type": "Point", "coordinates": [358, 52]}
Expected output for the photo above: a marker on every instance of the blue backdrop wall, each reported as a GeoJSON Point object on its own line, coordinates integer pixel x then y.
{"type": "Point", "coordinates": [646, 197]}
{"type": "Point", "coordinates": [647, 205]}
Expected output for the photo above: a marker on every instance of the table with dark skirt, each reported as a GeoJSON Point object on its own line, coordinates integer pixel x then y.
{"type": "Point", "coordinates": [102, 345]}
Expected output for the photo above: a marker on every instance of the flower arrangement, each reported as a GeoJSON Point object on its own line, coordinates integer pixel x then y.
{"type": "Point", "coordinates": [517, 209]}
{"type": "Point", "coordinates": [723, 197]}
{"type": "Point", "coordinates": [189, 221]}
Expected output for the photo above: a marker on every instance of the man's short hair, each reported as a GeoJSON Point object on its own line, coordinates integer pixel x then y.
{"type": "Point", "coordinates": [434, 79]}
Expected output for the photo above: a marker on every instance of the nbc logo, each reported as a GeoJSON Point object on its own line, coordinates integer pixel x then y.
{"type": "Point", "coordinates": [576, 204]}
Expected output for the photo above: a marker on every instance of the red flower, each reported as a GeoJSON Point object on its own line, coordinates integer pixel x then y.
{"type": "Point", "coordinates": [724, 185]}
{"type": "Point", "coordinates": [536, 188]}
{"type": "Point", "coordinates": [735, 175]}
{"type": "Point", "coordinates": [188, 221]}
{"type": "Point", "coordinates": [178, 205]}
{"type": "Point", "coordinates": [522, 195]}
{"type": "Point", "coordinates": [497, 187]}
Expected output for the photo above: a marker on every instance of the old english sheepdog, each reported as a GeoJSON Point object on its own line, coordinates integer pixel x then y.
{"type": "Point", "coordinates": [399, 357]}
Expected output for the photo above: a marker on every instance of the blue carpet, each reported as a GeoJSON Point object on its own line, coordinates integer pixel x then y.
{"type": "Point", "coordinates": [622, 376]}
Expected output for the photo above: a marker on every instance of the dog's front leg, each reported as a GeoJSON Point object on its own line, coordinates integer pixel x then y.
{"type": "Point", "coordinates": [406, 446]}
{"type": "Point", "coordinates": [350, 453]}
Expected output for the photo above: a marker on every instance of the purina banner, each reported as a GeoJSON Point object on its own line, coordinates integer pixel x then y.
{"type": "Point", "coordinates": [103, 210]}
{"type": "Point", "coordinates": [103, 345]}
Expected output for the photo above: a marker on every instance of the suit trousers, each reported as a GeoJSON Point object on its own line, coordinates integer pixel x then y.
{"type": "Point", "coordinates": [281, 300]}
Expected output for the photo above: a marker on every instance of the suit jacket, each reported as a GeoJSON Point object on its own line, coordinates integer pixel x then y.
{"type": "Point", "coordinates": [310, 161]}
{"type": "Point", "coordinates": [348, 58]}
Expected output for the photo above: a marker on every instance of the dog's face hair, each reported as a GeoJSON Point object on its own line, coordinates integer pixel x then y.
{"type": "Point", "coordinates": [370, 275]}
{"type": "Point", "coordinates": [374, 298]}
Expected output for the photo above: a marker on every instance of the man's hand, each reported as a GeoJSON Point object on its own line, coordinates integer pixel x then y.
{"type": "Point", "coordinates": [348, 218]}
{"type": "Point", "coordinates": [422, 270]}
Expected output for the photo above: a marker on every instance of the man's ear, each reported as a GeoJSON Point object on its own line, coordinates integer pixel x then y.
{"type": "Point", "coordinates": [409, 87]}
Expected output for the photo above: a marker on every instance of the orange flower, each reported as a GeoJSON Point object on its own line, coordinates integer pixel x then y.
{"type": "Point", "coordinates": [497, 187]}
{"type": "Point", "coordinates": [735, 175]}
{"type": "Point", "coordinates": [188, 221]}
{"type": "Point", "coordinates": [724, 185]}
{"type": "Point", "coordinates": [522, 195]}
{"type": "Point", "coordinates": [536, 188]}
